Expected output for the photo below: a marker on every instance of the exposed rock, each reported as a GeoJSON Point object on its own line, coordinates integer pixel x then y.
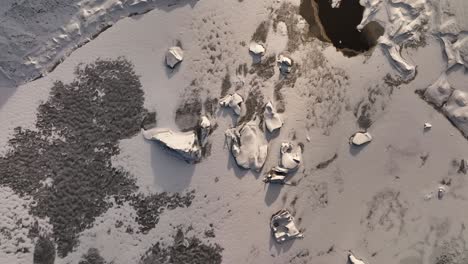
{"type": "Point", "coordinates": [291, 156]}
{"type": "Point", "coordinates": [285, 63]}
{"type": "Point", "coordinates": [257, 49]}
{"type": "Point", "coordinates": [234, 101]}
{"type": "Point", "coordinates": [273, 120]}
{"type": "Point", "coordinates": [174, 56]}
{"type": "Point", "coordinates": [247, 145]}
{"type": "Point", "coordinates": [360, 138]}
{"type": "Point", "coordinates": [427, 126]}
{"type": "Point", "coordinates": [283, 227]}
{"type": "Point", "coordinates": [183, 144]}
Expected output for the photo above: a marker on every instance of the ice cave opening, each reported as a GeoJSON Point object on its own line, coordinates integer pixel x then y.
{"type": "Point", "coordinates": [338, 25]}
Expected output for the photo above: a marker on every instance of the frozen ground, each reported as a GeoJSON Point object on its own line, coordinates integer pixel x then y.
{"type": "Point", "coordinates": [80, 184]}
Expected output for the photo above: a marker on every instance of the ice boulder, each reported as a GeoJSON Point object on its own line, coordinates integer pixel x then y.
{"type": "Point", "coordinates": [291, 156]}
{"type": "Point", "coordinates": [257, 49]}
{"type": "Point", "coordinates": [182, 144]}
{"type": "Point", "coordinates": [273, 120]}
{"type": "Point", "coordinates": [283, 227]}
{"type": "Point", "coordinates": [354, 260]}
{"type": "Point", "coordinates": [360, 138]}
{"type": "Point", "coordinates": [233, 101]}
{"type": "Point", "coordinates": [285, 63]}
{"type": "Point", "coordinates": [248, 145]}
{"type": "Point", "coordinates": [174, 56]}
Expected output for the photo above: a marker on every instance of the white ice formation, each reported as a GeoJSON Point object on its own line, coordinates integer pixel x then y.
{"type": "Point", "coordinates": [360, 138]}
{"type": "Point", "coordinates": [247, 145]}
{"type": "Point", "coordinates": [174, 56]}
{"type": "Point", "coordinates": [234, 101]}
{"type": "Point", "coordinates": [371, 8]}
{"type": "Point", "coordinates": [273, 120]}
{"type": "Point", "coordinates": [284, 63]}
{"type": "Point", "coordinates": [354, 260]}
{"type": "Point", "coordinates": [336, 3]}
{"type": "Point", "coordinates": [257, 49]}
{"type": "Point", "coordinates": [276, 175]}
{"type": "Point", "coordinates": [283, 227]}
{"type": "Point", "coordinates": [183, 144]}
{"type": "Point", "coordinates": [291, 156]}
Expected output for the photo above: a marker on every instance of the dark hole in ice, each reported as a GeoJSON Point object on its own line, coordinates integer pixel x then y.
{"type": "Point", "coordinates": [338, 25]}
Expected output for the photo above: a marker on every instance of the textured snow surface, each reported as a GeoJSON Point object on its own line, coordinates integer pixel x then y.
{"type": "Point", "coordinates": [107, 194]}
{"type": "Point", "coordinates": [37, 35]}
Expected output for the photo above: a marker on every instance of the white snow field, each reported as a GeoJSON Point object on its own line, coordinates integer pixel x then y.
{"type": "Point", "coordinates": [380, 201]}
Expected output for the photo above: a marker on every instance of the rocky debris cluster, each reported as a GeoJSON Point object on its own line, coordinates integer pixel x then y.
{"type": "Point", "coordinates": [283, 227]}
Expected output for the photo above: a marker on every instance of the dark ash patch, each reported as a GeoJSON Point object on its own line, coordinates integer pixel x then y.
{"type": "Point", "coordinates": [325, 164]}
{"type": "Point", "coordinates": [149, 208]}
{"type": "Point", "coordinates": [44, 251]}
{"type": "Point", "coordinates": [78, 130]}
{"type": "Point", "coordinates": [261, 33]}
{"type": "Point", "coordinates": [184, 250]}
{"type": "Point", "coordinates": [93, 257]}
{"type": "Point", "coordinates": [226, 84]}
{"type": "Point", "coordinates": [188, 113]}
{"type": "Point", "coordinates": [265, 68]}
{"type": "Point", "coordinates": [254, 104]}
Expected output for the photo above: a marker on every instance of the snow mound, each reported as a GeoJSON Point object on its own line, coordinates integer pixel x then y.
{"type": "Point", "coordinates": [456, 110]}
{"type": "Point", "coordinates": [284, 63]}
{"type": "Point", "coordinates": [273, 120]}
{"type": "Point", "coordinates": [439, 92]}
{"type": "Point", "coordinates": [184, 145]}
{"type": "Point", "coordinates": [174, 56]}
{"type": "Point", "coordinates": [248, 145]}
{"type": "Point", "coordinates": [283, 227]}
